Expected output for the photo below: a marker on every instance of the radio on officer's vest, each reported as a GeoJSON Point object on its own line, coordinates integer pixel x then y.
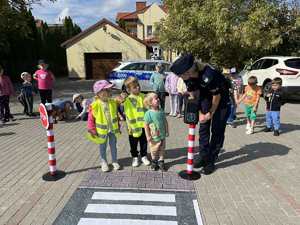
{"type": "Point", "coordinates": [191, 111]}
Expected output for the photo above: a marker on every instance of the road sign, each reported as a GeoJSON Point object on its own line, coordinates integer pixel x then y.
{"type": "Point", "coordinates": [44, 116]}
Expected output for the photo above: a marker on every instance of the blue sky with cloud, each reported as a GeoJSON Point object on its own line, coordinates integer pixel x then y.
{"type": "Point", "coordinates": [83, 12]}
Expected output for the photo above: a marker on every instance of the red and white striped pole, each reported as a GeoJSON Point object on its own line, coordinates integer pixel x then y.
{"type": "Point", "coordinates": [189, 173]}
{"type": "Point", "coordinates": [191, 142]}
{"type": "Point", "coordinates": [54, 174]}
{"type": "Point", "coordinates": [51, 142]}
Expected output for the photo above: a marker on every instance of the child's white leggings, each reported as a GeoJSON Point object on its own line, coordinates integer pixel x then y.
{"type": "Point", "coordinates": [173, 104]}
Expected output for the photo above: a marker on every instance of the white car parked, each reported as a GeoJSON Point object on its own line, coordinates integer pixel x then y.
{"type": "Point", "coordinates": [268, 68]}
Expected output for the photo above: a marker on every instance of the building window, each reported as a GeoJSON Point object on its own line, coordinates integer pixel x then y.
{"type": "Point", "coordinates": [149, 31]}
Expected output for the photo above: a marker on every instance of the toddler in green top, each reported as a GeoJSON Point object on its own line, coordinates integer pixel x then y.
{"type": "Point", "coordinates": [156, 128]}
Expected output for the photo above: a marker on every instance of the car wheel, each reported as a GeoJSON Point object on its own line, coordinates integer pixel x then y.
{"type": "Point", "coordinates": [267, 88]}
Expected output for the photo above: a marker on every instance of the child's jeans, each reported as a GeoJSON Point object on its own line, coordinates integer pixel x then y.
{"type": "Point", "coordinates": [232, 113]}
{"type": "Point", "coordinates": [111, 138]}
{"type": "Point", "coordinates": [273, 119]}
{"type": "Point", "coordinates": [173, 104]}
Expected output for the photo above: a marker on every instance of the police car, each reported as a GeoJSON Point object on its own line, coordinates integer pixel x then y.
{"type": "Point", "coordinates": [141, 69]}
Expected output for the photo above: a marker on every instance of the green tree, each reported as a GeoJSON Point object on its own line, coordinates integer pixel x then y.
{"type": "Point", "coordinates": [223, 32]}
{"type": "Point", "coordinates": [22, 43]}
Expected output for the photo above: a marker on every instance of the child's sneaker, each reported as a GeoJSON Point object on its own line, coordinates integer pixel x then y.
{"type": "Point", "coordinates": [248, 126]}
{"type": "Point", "coordinates": [250, 131]}
{"type": "Point", "coordinates": [145, 161]}
{"type": "Point", "coordinates": [161, 165]}
{"type": "Point", "coordinates": [104, 166]}
{"type": "Point", "coordinates": [135, 162]}
{"type": "Point", "coordinates": [276, 132]}
{"type": "Point", "coordinates": [116, 166]}
{"type": "Point", "coordinates": [154, 165]}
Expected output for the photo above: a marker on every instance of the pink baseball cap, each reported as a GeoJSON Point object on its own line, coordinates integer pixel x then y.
{"type": "Point", "coordinates": [101, 85]}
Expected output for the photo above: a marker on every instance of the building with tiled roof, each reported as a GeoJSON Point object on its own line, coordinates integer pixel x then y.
{"type": "Point", "coordinates": [94, 52]}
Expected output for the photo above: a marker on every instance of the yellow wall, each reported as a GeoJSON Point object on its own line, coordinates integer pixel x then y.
{"type": "Point", "coordinates": [151, 16]}
{"type": "Point", "coordinates": [112, 40]}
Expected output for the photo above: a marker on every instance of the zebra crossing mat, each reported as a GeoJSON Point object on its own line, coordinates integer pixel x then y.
{"type": "Point", "coordinates": [98, 206]}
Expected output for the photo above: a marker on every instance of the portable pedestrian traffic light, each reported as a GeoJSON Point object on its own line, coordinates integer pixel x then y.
{"type": "Point", "coordinates": [191, 111]}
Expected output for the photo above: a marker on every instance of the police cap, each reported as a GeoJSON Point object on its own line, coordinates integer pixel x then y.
{"type": "Point", "coordinates": [182, 64]}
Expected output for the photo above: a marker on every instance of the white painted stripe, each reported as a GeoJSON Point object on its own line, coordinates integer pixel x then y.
{"type": "Point", "coordinates": [190, 155]}
{"type": "Point", "coordinates": [52, 168]}
{"type": "Point", "coordinates": [197, 212]}
{"type": "Point", "coordinates": [119, 196]}
{"type": "Point", "coordinates": [192, 131]}
{"type": "Point", "coordinates": [131, 209]}
{"type": "Point", "coordinates": [51, 144]}
{"type": "Point", "coordinates": [50, 133]}
{"type": "Point", "coordinates": [51, 156]}
{"type": "Point", "coordinates": [94, 221]}
{"type": "Point", "coordinates": [191, 144]}
{"type": "Point", "coordinates": [189, 167]}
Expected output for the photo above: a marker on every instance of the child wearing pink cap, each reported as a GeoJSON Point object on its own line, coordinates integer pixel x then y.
{"type": "Point", "coordinates": [103, 124]}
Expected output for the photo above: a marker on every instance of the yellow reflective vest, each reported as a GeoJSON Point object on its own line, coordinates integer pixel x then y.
{"type": "Point", "coordinates": [135, 111]}
{"type": "Point", "coordinates": [102, 126]}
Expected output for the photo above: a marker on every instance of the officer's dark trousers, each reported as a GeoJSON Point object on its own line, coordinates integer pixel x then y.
{"type": "Point", "coordinates": [134, 145]}
{"type": "Point", "coordinates": [211, 135]}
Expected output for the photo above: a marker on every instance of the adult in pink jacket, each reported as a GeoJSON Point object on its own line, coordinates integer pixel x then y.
{"type": "Point", "coordinates": [45, 80]}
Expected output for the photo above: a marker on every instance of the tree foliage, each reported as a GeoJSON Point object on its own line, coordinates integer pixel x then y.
{"type": "Point", "coordinates": [230, 32]}
{"type": "Point", "coordinates": [22, 43]}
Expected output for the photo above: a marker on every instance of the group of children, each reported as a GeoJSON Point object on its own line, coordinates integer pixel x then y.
{"type": "Point", "coordinates": [145, 118]}
{"type": "Point", "coordinates": [273, 98]}
{"type": "Point", "coordinates": [174, 86]}
{"type": "Point", "coordinates": [44, 78]}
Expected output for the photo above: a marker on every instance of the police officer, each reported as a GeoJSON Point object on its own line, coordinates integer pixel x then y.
{"type": "Point", "coordinates": [213, 106]}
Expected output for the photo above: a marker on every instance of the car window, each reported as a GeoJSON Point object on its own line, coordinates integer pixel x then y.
{"type": "Point", "coordinates": [293, 63]}
{"type": "Point", "coordinates": [257, 65]}
{"type": "Point", "coordinates": [134, 66]}
{"type": "Point", "coordinates": [150, 66]}
{"type": "Point", "coordinates": [267, 63]}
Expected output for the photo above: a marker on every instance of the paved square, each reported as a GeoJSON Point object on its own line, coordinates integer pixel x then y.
{"type": "Point", "coordinates": [256, 182]}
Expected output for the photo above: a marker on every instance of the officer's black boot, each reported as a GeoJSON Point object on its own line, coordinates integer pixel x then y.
{"type": "Point", "coordinates": [161, 165]}
{"type": "Point", "coordinates": [209, 168]}
{"type": "Point", "coordinates": [200, 161]}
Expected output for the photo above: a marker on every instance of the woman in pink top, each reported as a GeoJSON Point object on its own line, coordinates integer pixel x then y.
{"type": "Point", "coordinates": [6, 90]}
{"type": "Point", "coordinates": [45, 79]}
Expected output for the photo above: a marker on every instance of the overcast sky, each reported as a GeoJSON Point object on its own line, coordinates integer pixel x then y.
{"type": "Point", "coordinates": [83, 12]}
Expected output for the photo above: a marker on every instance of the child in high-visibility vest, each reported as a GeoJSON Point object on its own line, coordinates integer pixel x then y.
{"type": "Point", "coordinates": [135, 111]}
{"type": "Point", "coordinates": [103, 122]}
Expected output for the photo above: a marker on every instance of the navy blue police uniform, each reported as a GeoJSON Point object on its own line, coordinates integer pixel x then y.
{"type": "Point", "coordinates": [210, 82]}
